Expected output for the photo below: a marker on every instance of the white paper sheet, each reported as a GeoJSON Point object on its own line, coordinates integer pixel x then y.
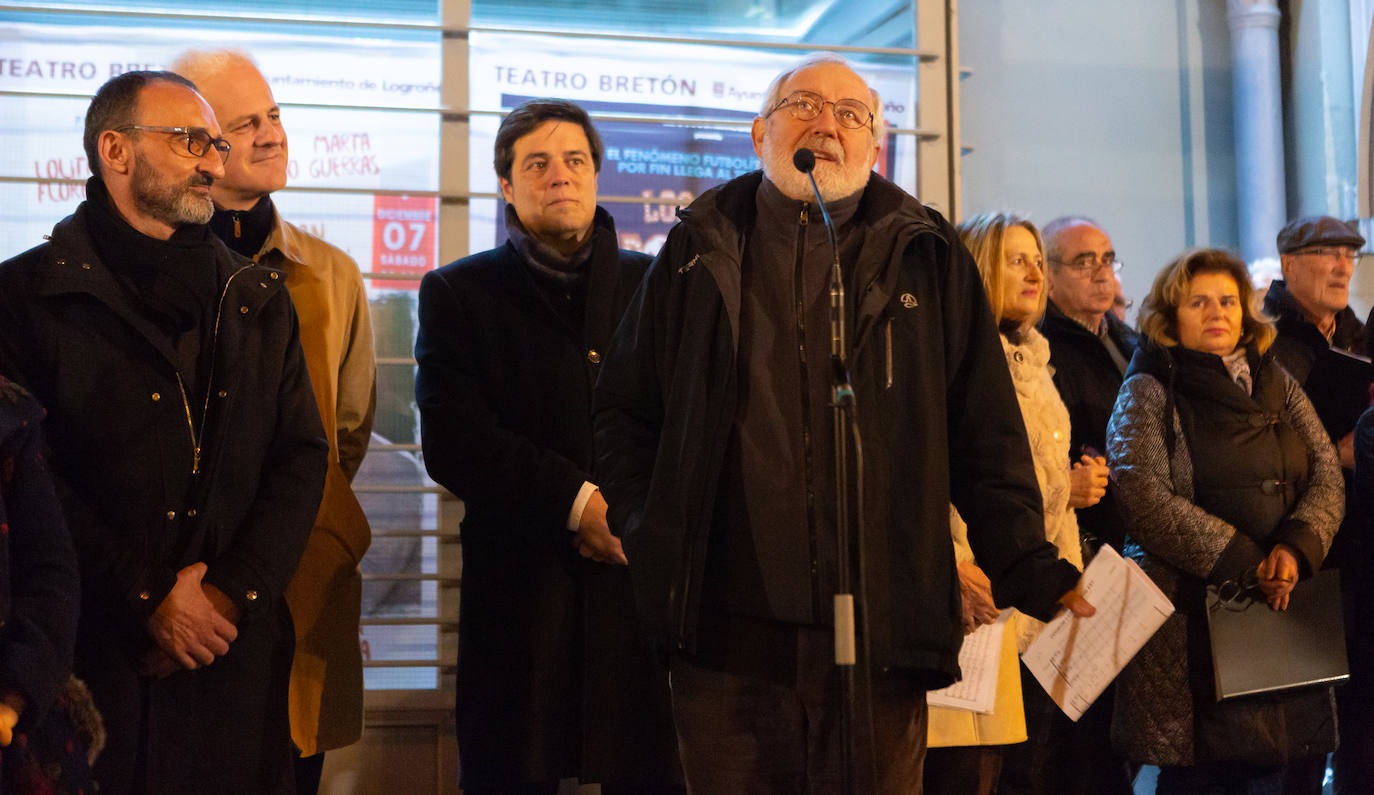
{"type": "Point", "coordinates": [1074, 658]}
{"type": "Point", "coordinates": [979, 660]}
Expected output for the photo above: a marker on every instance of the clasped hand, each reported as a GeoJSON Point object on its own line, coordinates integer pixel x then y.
{"type": "Point", "coordinates": [594, 538]}
{"type": "Point", "coordinates": [1278, 574]}
{"type": "Point", "coordinates": [1088, 482]}
{"type": "Point", "coordinates": [187, 627]}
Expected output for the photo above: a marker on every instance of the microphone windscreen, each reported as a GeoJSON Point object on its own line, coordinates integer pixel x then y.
{"type": "Point", "coordinates": [804, 159]}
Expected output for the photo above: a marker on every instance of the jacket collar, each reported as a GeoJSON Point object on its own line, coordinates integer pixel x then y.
{"type": "Point", "coordinates": [1291, 320]}
{"type": "Point", "coordinates": [720, 220]}
{"type": "Point", "coordinates": [1056, 321]}
{"type": "Point", "coordinates": [291, 242]}
{"type": "Point", "coordinates": [76, 269]}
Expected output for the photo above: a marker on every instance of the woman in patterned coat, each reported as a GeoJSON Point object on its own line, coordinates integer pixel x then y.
{"type": "Point", "coordinates": [1228, 476]}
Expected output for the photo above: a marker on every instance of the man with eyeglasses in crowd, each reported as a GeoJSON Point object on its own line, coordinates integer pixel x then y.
{"type": "Point", "coordinates": [1317, 255]}
{"type": "Point", "coordinates": [714, 436]}
{"type": "Point", "coordinates": [186, 448]}
{"type": "Point", "coordinates": [325, 596]}
{"type": "Point", "coordinates": [1090, 348]}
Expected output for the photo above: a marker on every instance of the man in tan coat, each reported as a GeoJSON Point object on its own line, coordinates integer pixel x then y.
{"type": "Point", "coordinates": [326, 695]}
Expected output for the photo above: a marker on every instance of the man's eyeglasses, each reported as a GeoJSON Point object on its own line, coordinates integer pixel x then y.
{"type": "Point", "coordinates": [807, 105]}
{"type": "Point", "coordinates": [1340, 252]}
{"type": "Point", "coordinates": [198, 139]}
{"type": "Point", "coordinates": [1088, 264]}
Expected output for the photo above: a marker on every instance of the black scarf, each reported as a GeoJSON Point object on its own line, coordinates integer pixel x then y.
{"type": "Point", "coordinates": [173, 281]}
{"type": "Point", "coordinates": [548, 265]}
{"type": "Point", "coordinates": [244, 231]}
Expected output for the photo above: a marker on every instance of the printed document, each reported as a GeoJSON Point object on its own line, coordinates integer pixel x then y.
{"type": "Point", "coordinates": [1074, 658]}
{"type": "Point", "coordinates": [978, 660]}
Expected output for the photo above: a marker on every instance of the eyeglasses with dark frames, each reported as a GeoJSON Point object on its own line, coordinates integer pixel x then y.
{"type": "Point", "coordinates": [198, 140]}
{"type": "Point", "coordinates": [1089, 264]}
{"type": "Point", "coordinates": [807, 105]}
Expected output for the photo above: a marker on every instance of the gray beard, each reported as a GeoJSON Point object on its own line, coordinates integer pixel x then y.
{"type": "Point", "coordinates": [173, 205]}
{"type": "Point", "coordinates": [835, 180]}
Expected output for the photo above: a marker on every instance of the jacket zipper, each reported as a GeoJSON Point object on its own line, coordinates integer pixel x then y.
{"type": "Point", "coordinates": [799, 296]}
{"type": "Point", "coordinates": [887, 350]}
{"type": "Point", "coordinates": [197, 440]}
{"type": "Point", "coordinates": [190, 426]}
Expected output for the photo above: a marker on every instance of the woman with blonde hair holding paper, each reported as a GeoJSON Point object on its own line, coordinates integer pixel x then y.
{"type": "Point", "coordinates": [1229, 477]}
{"type": "Point", "coordinates": [966, 747]}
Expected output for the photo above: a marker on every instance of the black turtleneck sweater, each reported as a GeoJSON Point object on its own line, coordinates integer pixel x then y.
{"type": "Point", "coordinates": [773, 539]}
{"type": "Point", "coordinates": [244, 231]}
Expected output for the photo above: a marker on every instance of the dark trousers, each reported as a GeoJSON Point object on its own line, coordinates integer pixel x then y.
{"type": "Point", "coordinates": [1061, 756]}
{"type": "Point", "coordinates": [1353, 762]}
{"type": "Point", "coordinates": [309, 770]}
{"type": "Point", "coordinates": [1303, 777]}
{"type": "Point", "coordinates": [772, 725]}
{"type": "Point", "coordinates": [964, 770]}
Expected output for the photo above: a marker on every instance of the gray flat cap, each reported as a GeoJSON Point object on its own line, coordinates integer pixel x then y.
{"type": "Point", "coordinates": [1317, 230]}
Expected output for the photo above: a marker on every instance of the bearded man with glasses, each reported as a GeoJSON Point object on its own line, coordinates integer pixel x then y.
{"type": "Point", "coordinates": [1316, 328]}
{"type": "Point", "coordinates": [715, 446]}
{"type": "Point", "coordinates": [187, 450]}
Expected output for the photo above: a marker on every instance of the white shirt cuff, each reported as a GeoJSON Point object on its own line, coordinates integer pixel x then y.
{"type": "Point", "coordinates": [575, 515]}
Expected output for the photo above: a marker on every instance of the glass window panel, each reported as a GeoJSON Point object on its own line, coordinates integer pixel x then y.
{"type": "Point", "coordinates": [666, 157]}
{"type": "Point", "coordinates": [412, 11]}
{"type": "Point", "coordinates": [403, 643]}
{"type": "Point", "coordinates": [863, 23]}
{"type": "Point", "coordinates": [314, 64]}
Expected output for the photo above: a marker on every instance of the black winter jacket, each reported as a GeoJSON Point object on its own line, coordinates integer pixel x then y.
{"type": "Point", "coordinates": [938, 414]}
{"type": "Point", "coordinates": [1088, 380]}
{"type": "Point", "coordinates": [119, 428]}
{"type": "Point", "coordinates": [1298, 348]}
{"type": "Point", "coordinates": [553, 679]}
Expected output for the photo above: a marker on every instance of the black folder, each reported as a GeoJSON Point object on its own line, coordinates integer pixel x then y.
{"type": "Point", "coordinates": [1256, 649]}
{"type": "Point", "coordinates": [1338, 385]}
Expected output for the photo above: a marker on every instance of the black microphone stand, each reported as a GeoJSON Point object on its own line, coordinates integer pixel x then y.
{"type": "Point", "coordinates": [844, 420]}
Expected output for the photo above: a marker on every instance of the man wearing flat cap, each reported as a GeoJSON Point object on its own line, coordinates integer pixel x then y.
{"type": "Point", "coordinates": [1318, 255]}
{"type": "Point", "coordinates": [1317, 330]}
{"type": "Point", "coordinates": [1310, 307]}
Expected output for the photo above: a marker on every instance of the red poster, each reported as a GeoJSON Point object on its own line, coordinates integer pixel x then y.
{"type": "Point", "coordinates": [403, 238]}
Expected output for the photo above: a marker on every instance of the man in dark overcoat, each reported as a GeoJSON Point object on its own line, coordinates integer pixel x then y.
{"type": "Point", "coordinates": [553, 681]}
{"type": "Point", "coordinates": [186, 448]}
{"type": "Point", "coordinates": [1090, 348]}
{"type": "Point", "coordinates": [1310, 306]}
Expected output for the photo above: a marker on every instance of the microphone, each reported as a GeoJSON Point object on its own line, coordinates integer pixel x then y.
{"type": "Point", "coordinates": [805, 161]}
{"type": "Point", "coordinates": [843, 407]}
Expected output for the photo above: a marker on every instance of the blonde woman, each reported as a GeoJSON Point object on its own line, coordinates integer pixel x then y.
{"type": "Point", "coordinates": [966, 748]}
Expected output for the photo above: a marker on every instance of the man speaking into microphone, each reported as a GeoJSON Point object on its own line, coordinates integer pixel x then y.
{"type": "Point", "coordinates": [716, 453]}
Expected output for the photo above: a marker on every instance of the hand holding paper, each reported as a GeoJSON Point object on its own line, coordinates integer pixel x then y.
{"type": "Point", "coordinates": [1076, 657]}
